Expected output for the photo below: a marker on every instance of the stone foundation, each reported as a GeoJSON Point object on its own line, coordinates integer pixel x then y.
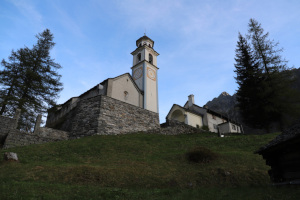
{"type": "Point", "coordinates": [103, 115]}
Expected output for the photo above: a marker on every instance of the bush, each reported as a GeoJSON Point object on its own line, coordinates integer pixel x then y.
{"type": "Point", "coordinates": [205, 128]}
{"type": "Point", "coordinates": [200, 155]}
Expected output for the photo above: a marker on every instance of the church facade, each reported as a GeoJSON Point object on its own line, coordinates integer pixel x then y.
{"type": "Point", "coordinates": [126, 103]}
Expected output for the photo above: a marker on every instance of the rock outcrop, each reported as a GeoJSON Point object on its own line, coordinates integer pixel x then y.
{"type": "Point", "coordinates": [225, 104]}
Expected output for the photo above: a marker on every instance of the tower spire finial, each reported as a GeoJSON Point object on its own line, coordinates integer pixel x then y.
{"type": "Point", "coordinates": [145, 33]}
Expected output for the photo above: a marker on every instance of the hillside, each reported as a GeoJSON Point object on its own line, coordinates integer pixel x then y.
{"type": "Point", "coordinates": [141, 166]}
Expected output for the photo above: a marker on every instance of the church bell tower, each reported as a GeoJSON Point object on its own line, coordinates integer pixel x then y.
{"type": "Point", "coordinates": [144, 71]}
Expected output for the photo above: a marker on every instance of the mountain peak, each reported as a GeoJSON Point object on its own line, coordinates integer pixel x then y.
{"type": "Point", "coordinates": [224, 94]}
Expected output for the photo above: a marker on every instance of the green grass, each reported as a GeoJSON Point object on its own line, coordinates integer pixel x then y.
{"type": "Point", "coordinates": [141, 166]}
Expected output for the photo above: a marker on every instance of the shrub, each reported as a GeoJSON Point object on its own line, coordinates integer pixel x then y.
{"type": "Point", "coordinates": [205, 128]}
{"type": "Point", "coordinates": [200, 155]}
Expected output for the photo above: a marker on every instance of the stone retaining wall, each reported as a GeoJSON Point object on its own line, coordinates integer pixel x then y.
{"type": "Point", "coordinates": [84, 118]}
{"type": "Point", "coordinates": [103, 115]}
{"type": "Point", "coordinates": [6, 124]}
{"type": "Point", "coordinates": [172, 127]}
{"type": "Point", "coordinates": [118, 118]}
{"type": "Point", "coordinates": [17, 138]}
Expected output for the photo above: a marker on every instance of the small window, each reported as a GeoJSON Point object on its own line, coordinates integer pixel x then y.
{"type": "Point", "coordinates": [125, 95]}
{"type": "Point", "coordinates": [150, 59]}
{"type": "Point", "coordinates": [139, 57]}
{"type": "Point", "coordinates": [149, 45]}
{"type": "Point", "coordinates": [140, 44]}
{"type": "Point", "coordinates": [215, 126]}
{"type": "Point", "coordinates": [233, 127]}
{"type": "Point", "coordinates": [214, 117]}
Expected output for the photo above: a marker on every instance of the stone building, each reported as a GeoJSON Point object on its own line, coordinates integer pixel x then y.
{"type": "Point", "coordinates": [196, 116]}
{"type": "Point", "coordinates": [126, 103]}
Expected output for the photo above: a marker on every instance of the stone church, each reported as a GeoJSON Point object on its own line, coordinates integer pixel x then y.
{"type": "Point", "coordinates": [126, 103]}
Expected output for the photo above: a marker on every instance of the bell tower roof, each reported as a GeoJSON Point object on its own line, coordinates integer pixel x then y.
{"type": "Point", "coordinates": [144, 40]}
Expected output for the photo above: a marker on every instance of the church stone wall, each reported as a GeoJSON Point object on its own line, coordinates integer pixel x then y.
{"type": "Point", "coordinates": [119, 117]}
{"type": "Point", "coordinates": [83, 121]}
{"type": "Point", "coordinates": [103, 115]}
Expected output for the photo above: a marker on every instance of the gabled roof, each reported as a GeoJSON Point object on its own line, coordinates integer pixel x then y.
{"type": "Point", "coordinates": [214, 113]}
{"type": "Point", "coordinates": [187, 110]}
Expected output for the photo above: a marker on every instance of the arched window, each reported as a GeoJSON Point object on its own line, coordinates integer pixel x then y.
{"type": "Point", "coordinates": [139, 57]}
{"type": "Point", "coordinates": [140, 44]}
{"type": "Point", "coordinates": [149, 45]}
{"type": "Point", "coordinates": [150, 59]}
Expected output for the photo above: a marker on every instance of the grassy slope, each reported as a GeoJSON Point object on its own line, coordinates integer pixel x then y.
{"type": "Point", "coordinates": [140, 166]}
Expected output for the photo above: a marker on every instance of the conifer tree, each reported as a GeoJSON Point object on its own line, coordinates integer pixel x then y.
{"type": "Point", "coordinates": [248, 79]}
{"type": "Point", "coordinates": [30, 81]}
{"type": "Point", "coordinates": [270, 86]}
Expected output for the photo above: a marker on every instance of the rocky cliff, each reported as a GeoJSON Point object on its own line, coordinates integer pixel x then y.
{"type": "Point", "coordinates": [224, 103]}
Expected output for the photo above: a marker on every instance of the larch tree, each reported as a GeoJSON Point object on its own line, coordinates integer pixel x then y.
{"type": "Point", "coordinates": [30, 81]}
{"type": "Point", "coordinates": [270, 88]}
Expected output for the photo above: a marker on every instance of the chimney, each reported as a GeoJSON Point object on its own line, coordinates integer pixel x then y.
{"type": "Point", "coordinates": [191, 100]}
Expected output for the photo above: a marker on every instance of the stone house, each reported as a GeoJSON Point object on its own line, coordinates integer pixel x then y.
{"type": "Point", "coordinates": [196, 116]}
{"type": "Point", "coordinates": [126, 103]}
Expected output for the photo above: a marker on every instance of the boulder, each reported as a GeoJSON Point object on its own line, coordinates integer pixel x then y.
{"type": "Point", "coordinates": [10, 156]}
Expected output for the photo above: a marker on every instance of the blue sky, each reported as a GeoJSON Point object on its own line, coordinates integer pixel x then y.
{"type": "Point", "coordinates": [196, 39]}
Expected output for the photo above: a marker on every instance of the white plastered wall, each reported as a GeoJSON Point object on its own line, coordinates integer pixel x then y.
{"type": "Point", "coordinates": [135, 59]}
{"type": "Point", "coordinates": [147, 51]}
{"type": "Point", "coordinates": [120, 86]}
{"type": "Point", "coordinates": [236, 130]}
{"type": "Point", "coordinates": [194, 120]}
{"type": "Point", "coordinates": [150, 90]}
{"type": "Point", "coordinates": [211, 121]}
